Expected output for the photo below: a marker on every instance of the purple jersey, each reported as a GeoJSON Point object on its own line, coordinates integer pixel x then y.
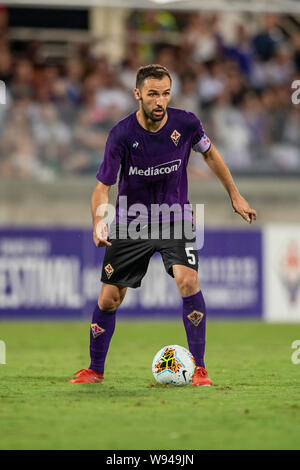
{"type": "Point", "coordinates": [153, 165]}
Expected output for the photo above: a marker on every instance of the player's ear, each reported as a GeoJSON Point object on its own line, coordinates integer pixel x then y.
{"type": "Point", "coordinates": [137, 94]}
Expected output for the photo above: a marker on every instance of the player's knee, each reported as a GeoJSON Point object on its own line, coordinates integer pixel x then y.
{"type": "Point", "coordinates": [109, 304]}
{"type": "Point", "coordinates": [188, 284]}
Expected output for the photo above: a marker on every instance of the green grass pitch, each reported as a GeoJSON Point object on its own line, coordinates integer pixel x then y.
{"type": "Point", "coordinates": [253, 404]}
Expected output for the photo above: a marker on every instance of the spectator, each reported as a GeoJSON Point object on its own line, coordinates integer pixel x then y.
{"type": "Point", "coordinates": [200, 39]}
{"type": "Point", "coordinates": [157, 23]}
{"type": "Point", "coordinates": [280, 68]}
{"type": "Point", "coordinates": [268, 38]}
{"type": "Point", "coordinates": [89, 133]}
{"type": "Point", "coordinates": [235, 85]}
{"type": "Point", "coordinates": [64, 90]}
{"type": "Point", "coordinates": [240, 52]}
{"type": "Point", "coordinates": [211, 83]}
{"type": "Point", "coordinates": [231, 134]}
{"type": "Point", "coordinates": [254, 118]}
{"type": "Point", "coordinates": [22, 84]}
{"type": "Point", "coordinates": [18, 152]}
{"type": "Point", "coordinates": [52, 138]}
{"type": "Point", "coordinates": [71, 82]}
{"type": "Point", "coordinates": [128, 71]}
{"type": "Point", "coordinates": [113, 99]}
{"type": "Point", "coordinates": [188, 97]}
{"type": "Point", "coordinates": [166, 57]}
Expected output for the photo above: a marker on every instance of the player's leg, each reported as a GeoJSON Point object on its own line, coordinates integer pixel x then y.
{"type": "Point", "coordinates": [103, 324]}
{"type": "Point", "coordinates": [186, 279]}
{"type": "Point", "coordinates": [194, 318]}
{"type": "Point", "coordinates": [125, 264]}
{"type": "Point", "coordinates": [194, 310]}
{"type": "Point", "coordinates": [101, 332]}
{"type": "Point", "coordinates": [180, 257]}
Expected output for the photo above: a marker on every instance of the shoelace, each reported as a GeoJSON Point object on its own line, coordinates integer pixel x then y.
{"type": "Point", "coordinates": [82, 371]}
{"type": "Point", "coordinates": [85, 372]}
{"type": "Point", "coordinates": [201, 371]}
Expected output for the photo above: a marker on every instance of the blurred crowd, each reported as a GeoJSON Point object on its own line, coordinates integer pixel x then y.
{"type": "Point", "coordinates": [58, 114]}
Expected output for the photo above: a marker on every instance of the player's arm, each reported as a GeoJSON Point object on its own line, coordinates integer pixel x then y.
{"type": "Point", "coordinates": [99, 202]}
{"type": "Point", "coordinates": [218, 166]}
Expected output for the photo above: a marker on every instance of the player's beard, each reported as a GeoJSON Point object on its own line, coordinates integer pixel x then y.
{"type": "Point", "coordinates": [150, 114]}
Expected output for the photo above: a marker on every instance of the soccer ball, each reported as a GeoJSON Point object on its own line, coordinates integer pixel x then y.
{"type": "Point", "coordinates": [173, 365]}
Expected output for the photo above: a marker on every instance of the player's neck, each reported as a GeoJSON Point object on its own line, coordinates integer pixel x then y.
{"type": "Point", "coordinates": [148, 124]}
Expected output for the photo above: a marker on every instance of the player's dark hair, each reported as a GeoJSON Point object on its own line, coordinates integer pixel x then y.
{"type": "Point", "coordinates": [152, 70]}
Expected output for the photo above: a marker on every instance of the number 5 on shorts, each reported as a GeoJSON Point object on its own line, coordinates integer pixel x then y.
{"type": "Point", "coordinates": [190, 256]}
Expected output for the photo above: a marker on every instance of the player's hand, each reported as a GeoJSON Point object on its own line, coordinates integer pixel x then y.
{"type": "Point", "coordinates": [100, 234]}
{"type": "Point", "coordinates": [241, 206]}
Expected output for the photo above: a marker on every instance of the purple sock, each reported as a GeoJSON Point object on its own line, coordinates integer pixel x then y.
{"type": "Point", "coordinates": [102, 329]}
{"type": "Point", "coordinates": [194, 319]}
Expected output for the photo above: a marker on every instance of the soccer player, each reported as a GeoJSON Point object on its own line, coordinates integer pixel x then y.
{"type": "Point", "coordinates": [151, 148]}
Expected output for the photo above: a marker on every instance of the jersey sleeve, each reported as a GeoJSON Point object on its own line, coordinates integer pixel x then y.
{"type": "Point", "coordinates": [200, 142]}
{"type": "Point", "coordinates": [109, 168]}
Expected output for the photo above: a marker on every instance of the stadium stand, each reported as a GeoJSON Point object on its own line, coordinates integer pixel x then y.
{"type": "Point", "coordinates": [62, 101]}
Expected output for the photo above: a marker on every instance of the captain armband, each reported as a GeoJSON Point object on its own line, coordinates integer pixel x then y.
{"type": "Point", "coordinates": [203, 145]}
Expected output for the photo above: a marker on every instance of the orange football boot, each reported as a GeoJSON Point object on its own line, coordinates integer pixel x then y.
{"type": "Point", "coordinates": [87, 376]}
{"type": "Point", "coordinates": [201, 377]}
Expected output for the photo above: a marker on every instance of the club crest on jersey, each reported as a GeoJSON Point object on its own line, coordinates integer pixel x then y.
{"type": "Point", "coordinates": [175, 136]}
{"type": "Point", "coordinates": [109, 270]}
{"type": "Point", "coordinates": [195, 317]}
{"type": "Point", "coordinates": [96, 330]}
